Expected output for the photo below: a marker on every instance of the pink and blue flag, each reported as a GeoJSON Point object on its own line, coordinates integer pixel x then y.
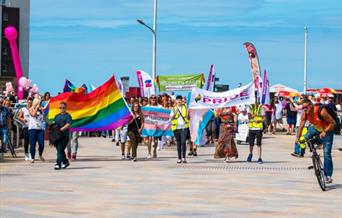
{"type": "Point", "coordinates": [156, 122]}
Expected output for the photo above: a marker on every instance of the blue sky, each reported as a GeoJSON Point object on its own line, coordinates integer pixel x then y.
{"type": "Point", "coordinates": [87, 41]}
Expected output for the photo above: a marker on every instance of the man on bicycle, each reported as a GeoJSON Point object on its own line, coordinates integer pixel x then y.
{"type": "Point", "coordinates": [323, 125]}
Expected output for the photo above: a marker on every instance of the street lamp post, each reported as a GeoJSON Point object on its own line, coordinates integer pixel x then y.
{"type": "Point", "coordinates": [154, 32]}
{"type": "Point", "coordinates": [305, 59]}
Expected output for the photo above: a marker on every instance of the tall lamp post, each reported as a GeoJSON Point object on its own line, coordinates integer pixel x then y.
{"type": "Point", "coordinates": [154, 32]}
{"type": "Point", "coordinates": [305, 59]}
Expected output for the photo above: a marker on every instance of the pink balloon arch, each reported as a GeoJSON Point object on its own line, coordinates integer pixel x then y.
{"type": "Point", "coordinates": [12, 35]}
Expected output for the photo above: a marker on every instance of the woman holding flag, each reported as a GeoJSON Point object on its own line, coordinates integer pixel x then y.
{"type": "Point", "coordinates": [135, 127]}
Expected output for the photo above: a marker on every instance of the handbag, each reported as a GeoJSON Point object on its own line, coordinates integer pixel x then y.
{"type": "Point", "coordinates": [55, 134]}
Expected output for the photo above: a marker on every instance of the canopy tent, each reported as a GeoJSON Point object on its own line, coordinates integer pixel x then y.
{"type": "Point", "coordinates": [279, 88]}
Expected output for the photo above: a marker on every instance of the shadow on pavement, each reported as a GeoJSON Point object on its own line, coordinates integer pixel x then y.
{"type": "Point", "coordinates": [334, 186]}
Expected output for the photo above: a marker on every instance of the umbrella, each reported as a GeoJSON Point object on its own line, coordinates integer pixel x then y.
{"type": "Point", "coordinates": [283, 93]}
{"type": "Point", "coordinates": [327, 91]}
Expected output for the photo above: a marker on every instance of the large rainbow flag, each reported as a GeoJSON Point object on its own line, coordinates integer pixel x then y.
{"type": "Point", "coordinates": [102, 109]}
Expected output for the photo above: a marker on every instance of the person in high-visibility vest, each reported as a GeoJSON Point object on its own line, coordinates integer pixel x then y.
{"type": "Point", "coordinates": [180, 127]}
{"type": "Point", "coordinates": [255, 125]}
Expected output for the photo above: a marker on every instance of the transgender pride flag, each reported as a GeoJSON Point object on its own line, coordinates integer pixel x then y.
{"type": "Point", "coordinates": [199, 118]}
{"type": "Point", "coordinates": [156, 122]}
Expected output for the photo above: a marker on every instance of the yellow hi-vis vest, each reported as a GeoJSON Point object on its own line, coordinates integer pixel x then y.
{"type": "Point", "coordinates": [257, 121]}
{"type": "Point", "coordinates": [174, 121]}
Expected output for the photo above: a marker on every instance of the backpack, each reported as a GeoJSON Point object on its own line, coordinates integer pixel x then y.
{"type": "Point", "coordinates": [333, 114]}
{"type": "Point", "coordinates": [54, 134]}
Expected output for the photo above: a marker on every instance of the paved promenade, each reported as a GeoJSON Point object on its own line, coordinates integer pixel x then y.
{"type": "Point", "coordinates": [99, 184]}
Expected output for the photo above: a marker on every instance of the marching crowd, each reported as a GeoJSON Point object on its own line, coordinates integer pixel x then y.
{"type": "Point", "coordinates": [304, 118]}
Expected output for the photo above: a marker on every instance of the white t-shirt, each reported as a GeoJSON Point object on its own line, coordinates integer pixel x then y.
{"type": "Point", "coordinates": [180, 120]}
{"type": "Point", "coordinates": [36, 122]}
{"type": "Point", "coordinates": [279, 111]}
{"type": "Point", "coordinates": [26, 116]}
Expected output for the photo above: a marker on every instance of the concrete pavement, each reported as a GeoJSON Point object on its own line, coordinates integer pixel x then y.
{"type": "Point", "coordinates": [100, 184]}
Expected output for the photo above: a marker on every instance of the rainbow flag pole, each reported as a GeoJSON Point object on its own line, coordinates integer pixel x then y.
{"type": "Point", "coordinates": [102, 109]}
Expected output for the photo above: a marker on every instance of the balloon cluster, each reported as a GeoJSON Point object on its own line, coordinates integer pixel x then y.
{"type": "Point", "coordinates": [25, 84]}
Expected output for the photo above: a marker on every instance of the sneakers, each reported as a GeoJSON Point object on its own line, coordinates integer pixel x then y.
{"type": "Point", "coordinates": [328, 180]}
{"type": "Point", "coordinates": [179, 161]}
{"type": "Point", "coordinates": [64, 166]}
{"type": "Point", "coordinates": [128, 157]}
{"type": "Point", "coordinates": [260, 161]}
{"type": "Point", "coordinates": [194, 153]}
{"type": "Point", "coordinates": [295, 154]}
{"type": "Point", "coordinates": [184, 161]}
{"type": "Point", "coordinates": [149, 156]}
{"type": "Point", "coordinates": [249, 158]}
{"type": "Point", "coordinates": [123, 157]}
{"type": "Point", "coordinates": [191, 153]}
{"type": "Point", "coordinates": [134, 159]}
{"type": "Point", "coordinates": [57, 167]}
{"type": "Point", "coordinates": [27, 157]}
{"type": "Point", "coordinates": [226, 160]}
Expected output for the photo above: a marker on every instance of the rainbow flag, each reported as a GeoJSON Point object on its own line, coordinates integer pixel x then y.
{"type": "Point", "coordinates": [70, 87]}
{"type": "Point", "coordinates": [102, 109]}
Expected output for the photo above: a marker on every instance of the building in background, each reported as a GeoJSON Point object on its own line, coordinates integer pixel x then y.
{"type": "Point", "coordinates": [14, 13]}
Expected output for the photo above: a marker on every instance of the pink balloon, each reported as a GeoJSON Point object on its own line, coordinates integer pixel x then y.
{"type": "Point", "coordinates": [20, 88]}
{"type": "Point", "coordinates": [11, 33]}
{"type": "Point", "coordinates": [23, 82]}
{"type": "Point", "coordinates": [29, 82]}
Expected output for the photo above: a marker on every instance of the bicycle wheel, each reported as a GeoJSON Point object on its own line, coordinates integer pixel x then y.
{"type": "Point", "coordinates": [319, 172]}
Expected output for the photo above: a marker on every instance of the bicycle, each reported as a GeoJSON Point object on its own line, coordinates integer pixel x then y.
{"type": "Point", "coordinates": [316, 161]}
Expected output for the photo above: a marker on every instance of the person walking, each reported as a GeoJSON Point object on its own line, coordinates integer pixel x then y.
{"type": "Point", "coordinates": [72, 146]}
{"type": "Point", "coordinates": [255, 125]}
{"type": "Point", "coordinates": [63, 121]}
{"type": "Point", "coordinates": [226, 145]}
{"type": "Point", "coordinates": [36, 129]}
{"type": "Point", "coordinates": [135, 127]}
{"type": "Point", "coordinates": [24, 117]}
{"type": "Point", "coordinates": [291, 117]}
{"type": "Point", "coordinates": [180, 127]}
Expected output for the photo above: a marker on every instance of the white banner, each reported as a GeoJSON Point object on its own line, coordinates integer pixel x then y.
{"type": "Point", "coordinates": [146, 84]}
{"type": "Point", "coordinates": [201, 99]}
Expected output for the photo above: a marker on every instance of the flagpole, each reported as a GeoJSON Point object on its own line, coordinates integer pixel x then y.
{"type": "Point", "coordinates": [305, 58]}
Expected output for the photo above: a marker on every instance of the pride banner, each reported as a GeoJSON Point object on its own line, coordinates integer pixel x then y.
{"type": "Point", "coordinates": [254, 61]}
{"type": "Point", "coordinates": [265, 97]}
{"type": "Point", "coordinates": [146, 84]}
{"type": "Point", "coordinates": [211, 79]}
{"type": "Point", "coordinates": [156, 122]}
{"type": "Point", "coordinates": [180, 82]}
{"type": "Point", "coordinates": [203, 99]}
{"type": "Point", "coordinates": [102, 109]}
